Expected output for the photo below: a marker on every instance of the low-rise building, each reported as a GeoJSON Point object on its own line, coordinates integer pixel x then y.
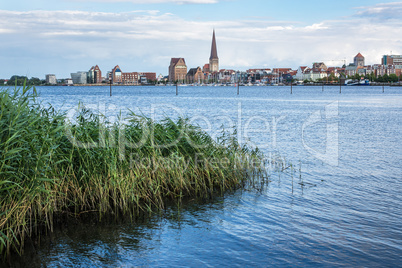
{"type": "Point", "coordinates": [130, 78]}
{"type": "Point", "coordinates": [225, 75]}
{"type": "Point", "coordinates": [147, 77]}
{"type": "Point", "coordinates": [351, 70]}
{"type": "Point", "coordinates": [299, 73]}
{"type": "Point", "coordinates": [79, 78]}
{"type": "Point", "coordinates": [314, 74]}
{"type": "Point", "coordinates": [195, 75]}
{"type": "Point", "coordinates": [51, 79]}
{"type": "Point", "coordinates": [68, 82]}
{"type": "Point", "coordinates": [320, 65]}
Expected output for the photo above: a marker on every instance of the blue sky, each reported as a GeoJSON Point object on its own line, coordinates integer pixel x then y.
{"type": "Point", "coordinates": [43, 36]}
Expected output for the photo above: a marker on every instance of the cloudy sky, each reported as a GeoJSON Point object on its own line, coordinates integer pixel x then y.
{"type": "Point", "coordinates": [46, 36]}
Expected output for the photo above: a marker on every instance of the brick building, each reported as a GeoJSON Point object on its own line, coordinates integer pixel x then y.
{"type": "Point", "coordinates": [94, 75]}
{"type": "Point", "coordinates": [358, 60]}
{"type": "Point", "coordinates": [177, 70]}
{"type": "Point", "coordinates": [195, 75]}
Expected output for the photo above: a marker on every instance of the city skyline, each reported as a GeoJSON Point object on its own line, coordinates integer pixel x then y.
{"type": "Point", "coordinates": [45, 37]}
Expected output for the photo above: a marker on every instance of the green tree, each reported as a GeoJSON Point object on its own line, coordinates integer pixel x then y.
{"type": "Point", "coordinates": [393, 78]}
{"type": "Point", "coordinates": [332, 78]}
{"type": "Point", "coordinates": [17, 80]}
{"type": "Point", "coordinates": [34, 81]}
{"type": "Point", "coordinates": [372, 77]}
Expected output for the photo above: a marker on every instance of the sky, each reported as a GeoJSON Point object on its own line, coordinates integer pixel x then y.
{"type": "Point", "coordinates": [39, 37]}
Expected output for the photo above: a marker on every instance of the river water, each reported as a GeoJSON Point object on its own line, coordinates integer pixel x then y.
{"type": "Point", "coordinates": [340, 205]}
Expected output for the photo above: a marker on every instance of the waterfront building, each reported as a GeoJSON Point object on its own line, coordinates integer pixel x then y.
{"type": "Point", "coordinates": [177, 70]}
{"type": "Point", "coordinates": [130, 78]}
{"type": "Point", "coordinates": [335, 71]}
{"type": "Point", "coordinates": [391, 60]}
{"type": "Point", "coordinates": [320, 65]}
{"type": "Point", "coordinates": [240, 76]}
{"type": "Point", "coordinates": [147, 77]}
{"type": "Point", "coordinates": [116, 75]}
{"type": "Point", "coordinates": [258, 75]}
{"type": "Point", "coordinates": [282, 70]}
{"type": "Point", "coordinates": [351, 69]}
{"type": "Point", "coordinates": [358, 60]}
{"type": "Point", "coordinates": [205, 69]}
{"type": "Point", "coordinates": [299, 73]}
{"type": "Point", "coordinates": [381, 70]}
{"type": "Point", "coordinates": [79, 77]}
{"type": "Point", "coordinates": [195, 75]}
{"type": "Point", "coordinates": [314, 74]}
{"type": "Point", "coordinates": [213, 59]}
{"type": "Point", "coordinates": [277, 74]}
{"type": "Point", "coordinates": [51, 79]}
{"type": "Point", "coordinates": [68, 81]}
{"type": "Point", "coordinates": [225, 76]}
{"type": "Point", "coordinates": [94, 75]}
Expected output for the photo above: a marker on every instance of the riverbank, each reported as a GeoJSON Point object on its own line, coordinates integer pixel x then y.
{"type": "Point", "coordinates": [51, 168]}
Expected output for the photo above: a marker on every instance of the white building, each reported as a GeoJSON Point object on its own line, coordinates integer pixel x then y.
{"type": "Point", "coordinates": [69, 81]}
{"type": "Point", "coordinates": [314, 74]}
{"type": "Point", "coordinates": [51, 79]}
{"type": "Point", "coordinates": [300, 73]}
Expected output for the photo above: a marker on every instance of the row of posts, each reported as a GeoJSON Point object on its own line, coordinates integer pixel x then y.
{"type": "Point", "coordinates": [238, 88]}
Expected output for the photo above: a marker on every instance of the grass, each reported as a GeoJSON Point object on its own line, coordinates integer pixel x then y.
{"type": "Point", "coordinates": [50, 167]}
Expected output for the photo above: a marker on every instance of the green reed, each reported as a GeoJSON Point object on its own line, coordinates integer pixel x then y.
{"type": "Point", "coordinates": [50, 167]}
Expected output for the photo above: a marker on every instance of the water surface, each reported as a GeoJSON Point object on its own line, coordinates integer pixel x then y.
{"type": "Point", "coordinates": [345, 210]}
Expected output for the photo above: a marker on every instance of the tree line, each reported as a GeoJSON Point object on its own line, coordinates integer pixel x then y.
{"type": "Point", "coordinates": [20, 80]}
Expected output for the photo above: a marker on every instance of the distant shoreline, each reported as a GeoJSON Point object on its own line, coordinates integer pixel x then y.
{"type": "Point", "coordinates": [108, 85]}
{"type": "Point", "coordinates": [393, 84]}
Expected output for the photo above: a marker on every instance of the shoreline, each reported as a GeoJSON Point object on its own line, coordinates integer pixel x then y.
{"type": "Point", "coordinates": [395, 84]}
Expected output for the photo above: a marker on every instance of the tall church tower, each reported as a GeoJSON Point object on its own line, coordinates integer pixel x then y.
{"type": "Point", "coordinates": [213, 59]}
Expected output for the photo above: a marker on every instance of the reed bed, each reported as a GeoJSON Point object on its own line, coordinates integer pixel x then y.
{"type": "Point", "coordinates": [50, 168]}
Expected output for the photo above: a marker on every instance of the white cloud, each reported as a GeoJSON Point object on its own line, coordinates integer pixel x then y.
{"type": "Point", "coordinates": [384, 11]}
{"type": "Point", "coordinates": [66, 41]}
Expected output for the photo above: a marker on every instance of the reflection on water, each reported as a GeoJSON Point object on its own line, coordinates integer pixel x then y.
{"type": "Point", "coordinates": [345, 214]}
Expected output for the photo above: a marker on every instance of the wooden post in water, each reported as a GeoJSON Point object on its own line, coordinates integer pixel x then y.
{"type": "Point", "coordinates": [340, 86]}
{"type": "Point", "coordinates": [382, 87]}
{"type": "Point", "coordinates": [291, 88]}
{"type": "Point", "coordinates": [322, 86]}
{"type": "Point", "coordinates": [177, 90]}
{"type": "Point", "coordinates": [110, 82]}
{"type": "Point", "coordinates": [238, 87]}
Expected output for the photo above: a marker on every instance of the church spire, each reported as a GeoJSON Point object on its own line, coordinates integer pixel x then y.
{"type": "Point", "coordinates": [214, 51]}
{"type": "Point", "coordinates": [213, 59]}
